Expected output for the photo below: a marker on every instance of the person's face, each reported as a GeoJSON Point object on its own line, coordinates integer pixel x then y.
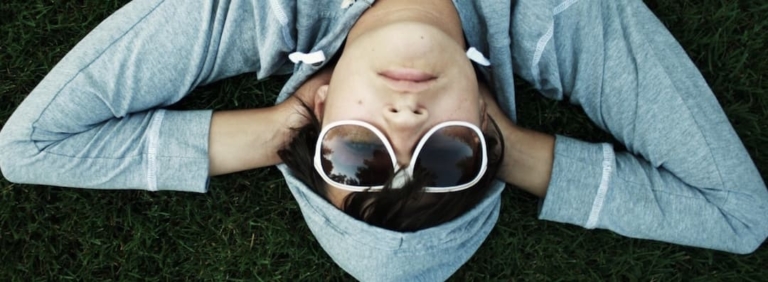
{"type": "Point", "coordinates": [403, 78]}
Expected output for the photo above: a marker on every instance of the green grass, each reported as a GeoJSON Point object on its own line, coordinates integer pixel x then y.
{"type": "Point", "coordinates": [248, 226]}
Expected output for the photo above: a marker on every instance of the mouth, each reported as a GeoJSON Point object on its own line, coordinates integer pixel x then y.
{"type": "Point", "coordinates": [407, 80]}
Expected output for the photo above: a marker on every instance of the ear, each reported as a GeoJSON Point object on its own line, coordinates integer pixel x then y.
{"type": "Point", "coordinates": [319, 102]}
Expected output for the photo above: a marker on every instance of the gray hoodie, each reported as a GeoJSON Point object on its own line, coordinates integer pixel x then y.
{"type": "Point", "coordinates": [581, 49]}
{"type": "Point", "coordinates": [97, 120]}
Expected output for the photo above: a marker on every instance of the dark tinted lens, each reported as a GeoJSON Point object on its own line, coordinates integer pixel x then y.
{"type": "Point", "coordinates": [450, 157]}
{"type": "Point", "coordinates": [354, 155]}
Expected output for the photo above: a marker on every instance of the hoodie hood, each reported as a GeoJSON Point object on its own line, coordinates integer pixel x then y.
{"type": "Point", "coordinates": [370, 253]}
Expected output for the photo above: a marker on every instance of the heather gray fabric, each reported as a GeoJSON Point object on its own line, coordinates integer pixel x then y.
{"type": "Point", "coordinates": [97, 120]}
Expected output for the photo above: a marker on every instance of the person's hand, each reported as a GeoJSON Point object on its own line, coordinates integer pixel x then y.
{"type": "Point", "coordinates": [295, 112]}
{"type": "Point", "coordinates": [300, 107]}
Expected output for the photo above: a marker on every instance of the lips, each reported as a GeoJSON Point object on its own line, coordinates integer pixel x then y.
{"type": "Point", "coordinates": [407, 80]}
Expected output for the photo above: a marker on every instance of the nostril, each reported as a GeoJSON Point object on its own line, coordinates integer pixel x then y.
{"type": "Point", "coordinates": [395, 110]}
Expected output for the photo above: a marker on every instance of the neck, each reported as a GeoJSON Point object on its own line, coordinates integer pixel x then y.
{"type": "Point", "coordinates": [438, 13]}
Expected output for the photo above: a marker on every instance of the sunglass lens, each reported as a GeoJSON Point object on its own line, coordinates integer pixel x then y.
{"type": "Point", "coordinates": [354, 155]}
{"type": "Point", "coordinates": [450, 157]}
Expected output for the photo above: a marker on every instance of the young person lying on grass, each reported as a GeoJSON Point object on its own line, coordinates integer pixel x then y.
{"type": "Point", "coordinates": [388, 134]}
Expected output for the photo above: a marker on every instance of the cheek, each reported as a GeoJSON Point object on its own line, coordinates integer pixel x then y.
{"type": "Point", "coordinates": [465, 108]}
{"type": "Point", "coordinates": [351, 107]}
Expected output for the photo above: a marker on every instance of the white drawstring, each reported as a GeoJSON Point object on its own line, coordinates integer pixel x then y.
{"type": "Point", "coordinates": [347, 3]}
{"type": "Point", "coordinates": [477, 57]}
{"type": "Point", "coordinates": [310, 59]}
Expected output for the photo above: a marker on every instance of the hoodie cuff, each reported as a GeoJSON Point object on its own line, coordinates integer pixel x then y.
{"type": "Point", "coordinates": [178, 151]}
{"type": "Point", "coordinates": [580, 180]}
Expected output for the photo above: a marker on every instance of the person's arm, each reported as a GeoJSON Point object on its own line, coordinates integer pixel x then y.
{"type": "Point", "coordinates": [244, 139]}
{"type": "Point", "coordinates": [685, 177]}
{"type": "Point", "coordinates": [249, 139]}
{"type": "Point", "coordinates": [528, 154]}
{"type": "Point", "coordinates": [97, 120]}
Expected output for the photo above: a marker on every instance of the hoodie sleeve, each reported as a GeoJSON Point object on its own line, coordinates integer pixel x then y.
{"type": "Point", "coordinates": [685, 177]}
{"type": "Point", "coordinates": [97, 119]}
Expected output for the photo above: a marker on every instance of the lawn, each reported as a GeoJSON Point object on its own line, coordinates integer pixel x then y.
{"type": "Point", "coordinates": [248, 226]}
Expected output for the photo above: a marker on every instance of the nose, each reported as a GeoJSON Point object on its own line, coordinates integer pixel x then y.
{"type": "Point", "coordinates": [405, 117]}
{"type": "Point", "coordinates": [404, 121]}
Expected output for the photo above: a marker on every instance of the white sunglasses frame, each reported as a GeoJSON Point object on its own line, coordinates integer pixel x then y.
{"type": "Point", "coordinates": [400, 179]}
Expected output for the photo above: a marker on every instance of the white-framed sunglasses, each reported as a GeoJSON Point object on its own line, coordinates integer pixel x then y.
{"type": "Point", "coordinates": [356, 156]}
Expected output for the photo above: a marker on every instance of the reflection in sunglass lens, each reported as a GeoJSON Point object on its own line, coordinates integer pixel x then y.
{"type": "Point", "coordinates": [450, 157]}
{"type": "Point", "coordinates": [354, 155]}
